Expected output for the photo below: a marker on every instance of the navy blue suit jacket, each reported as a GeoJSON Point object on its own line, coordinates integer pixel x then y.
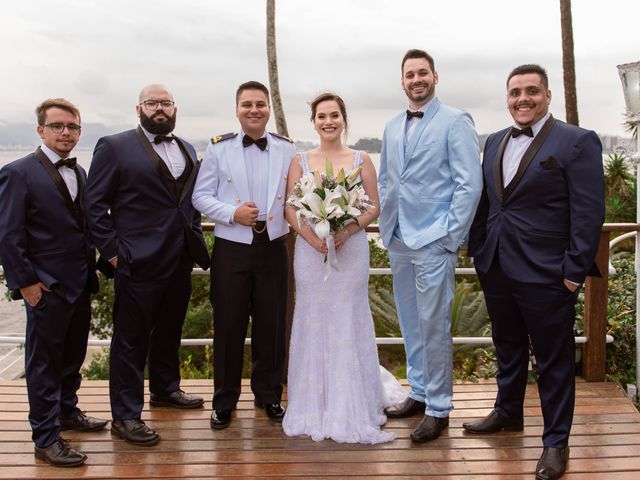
{"type": "Point", "coordinates": [42, 238]}
{"type": "Point", "coordinates": [133, 214]}
{"type": "Point", "coordinates": [545, 225]}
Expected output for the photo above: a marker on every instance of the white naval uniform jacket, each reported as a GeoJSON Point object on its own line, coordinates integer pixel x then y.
{"type": "Point", "coordinates": [222, 186]}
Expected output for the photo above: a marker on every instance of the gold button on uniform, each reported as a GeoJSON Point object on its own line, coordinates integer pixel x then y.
{"type": "Point", "coordinates": [270, 217]}
{"type": "Point", "coordinates": [229, 179]}
{"type": "Point", "coordinates": [279, 196]}
{"type": "Point", "coordinates": [238, 200]}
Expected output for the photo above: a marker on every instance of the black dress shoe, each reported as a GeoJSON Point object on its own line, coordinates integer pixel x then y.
{"type": "Point", "coordinates": [220, 419]}
{"type": "Point", "coordinates": [60, 454]}
{"type": "Point", "coordinates": [177, 399]}
{"type": "Point", "coordinates": [83, 423]}
{"type": "Point", "coordinates": [408, 408]}
{"type": "Point", "coordinates": [494, 422]}
{"type": "Point", "coordinates": [552, 463]}
{"type": "Point", "coordinates": [135, 431]}
{"type": "Point", "coordinates": [275, 411]}
{"type": "Point", "coordinates": [429, 428]}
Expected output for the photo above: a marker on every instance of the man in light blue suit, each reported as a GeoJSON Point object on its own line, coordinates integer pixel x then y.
{"type": "Point", "coordinates": [430, 183]}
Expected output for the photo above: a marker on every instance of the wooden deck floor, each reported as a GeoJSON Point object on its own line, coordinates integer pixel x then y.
{"type": "Point", "coordinates": [605, 442]}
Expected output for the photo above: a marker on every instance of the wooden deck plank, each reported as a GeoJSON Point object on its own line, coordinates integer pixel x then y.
{"type": "Point", "coordinates": [605, 442]}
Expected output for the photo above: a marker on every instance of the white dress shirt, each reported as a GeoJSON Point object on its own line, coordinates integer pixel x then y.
{"type": "Point", "coordinates": [169, 152]}
{"type": "Point", "coordinates": [411, 124]}
{"type": "Point", "coordinates": [515, 148]}
{"type": "Point", "coordinates": [67, 173]}
{"type": "Point", "coordinates": [257, 164]}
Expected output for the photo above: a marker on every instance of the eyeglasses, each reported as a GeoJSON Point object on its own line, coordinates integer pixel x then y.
{"type": "Point", "coordinates": [153, 104]}
{"type": "Point", "coordinates": [59, 127]}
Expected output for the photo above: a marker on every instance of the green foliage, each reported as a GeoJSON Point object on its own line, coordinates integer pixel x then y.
{"type": "Point", "coordinates": [98, 368]}
{"type": "Point", "coordinates": [620, 190]}
{"type": "Point", "coordinates": [621, 317]}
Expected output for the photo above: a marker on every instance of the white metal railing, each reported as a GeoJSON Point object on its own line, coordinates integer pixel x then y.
{"type": "Point", "coordinates": [14, 340]}
{"type": "Point", "coordinates": [191, 342]}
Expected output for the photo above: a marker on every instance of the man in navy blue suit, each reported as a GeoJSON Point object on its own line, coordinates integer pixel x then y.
{"type": "Point", "coordinates": [49, 261]}
{"type": "Point", "coordinates": [534, 240]}
{"type": "Point", "coordinates": [140, 214]}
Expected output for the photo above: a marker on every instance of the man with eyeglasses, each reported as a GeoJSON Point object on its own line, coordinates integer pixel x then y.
{"type": "Point", "coordinates": [49, 261]}
{"type": "Point", "coordinates": [140, 214]}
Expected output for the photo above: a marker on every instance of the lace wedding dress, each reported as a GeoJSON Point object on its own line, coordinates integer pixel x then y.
{"type": "Point", "coordinates": [335, 388]}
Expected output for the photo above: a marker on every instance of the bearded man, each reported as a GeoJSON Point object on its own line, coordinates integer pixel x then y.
{"type": "Point", "coordinates": [138, 201]}
{"type": "Point", "coordinates": [430, 182]}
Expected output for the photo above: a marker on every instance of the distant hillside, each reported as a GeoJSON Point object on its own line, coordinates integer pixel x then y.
{"type": "Point", "coordinates": [24, 135]}
{"type": "Point", "coordinates": [17, 136]}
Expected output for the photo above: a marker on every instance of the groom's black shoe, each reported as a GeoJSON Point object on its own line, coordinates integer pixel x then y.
{"type": "Point", "coordinates": [408, 408]}
{"type": "Point", "coordinates": [552, 463]}
{"type": "Point", "coordinates": [429, 428]}
{"type": "Point", "coordinates": [275, 411]}
{"type": "Point", "coordinates": [494, 422]}
{"type": "Point", "coordinates": [220, 419]}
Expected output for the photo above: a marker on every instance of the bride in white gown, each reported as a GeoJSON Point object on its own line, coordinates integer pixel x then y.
{"type": "Point", "coordinates": [335, 389]}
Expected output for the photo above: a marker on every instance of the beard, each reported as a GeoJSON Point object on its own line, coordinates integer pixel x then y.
{"type": "Point", "coordinates": [421, 98]}
{"type": "Point", "coordinates": [151, 125]}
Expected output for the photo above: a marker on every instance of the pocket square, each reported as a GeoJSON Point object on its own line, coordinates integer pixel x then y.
{"type": "Point", "coordinates": [549, 163]}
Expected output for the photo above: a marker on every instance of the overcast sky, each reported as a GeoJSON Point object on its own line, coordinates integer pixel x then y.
{"type": "Point", "coordinates": [99, 54]}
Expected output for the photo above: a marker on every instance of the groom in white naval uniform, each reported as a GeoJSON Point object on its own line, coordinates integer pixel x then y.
{"type": "Point", "coordinates": [430, 183]}
{"type": "Point", "coordinates": [241, 186]}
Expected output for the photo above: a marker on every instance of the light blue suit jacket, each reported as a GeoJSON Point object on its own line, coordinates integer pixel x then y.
{"type": "Point", "coordinates": [430, 188]}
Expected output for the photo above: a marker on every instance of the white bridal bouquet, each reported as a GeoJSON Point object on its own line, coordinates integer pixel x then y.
{"type": "Point", "coordinates": [327, 203]}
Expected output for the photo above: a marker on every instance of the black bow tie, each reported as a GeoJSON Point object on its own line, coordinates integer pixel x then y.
{"type": "Point", "coordinates": [261, 143]}
{"type": "Point", "coordinates": [417, 114]}
{"type": "Point", "coordinates": [162, 138]}
{"type": "Point", "coordinates": [516, 132]}
{"type": "Point", "coordinates": [66, 162]}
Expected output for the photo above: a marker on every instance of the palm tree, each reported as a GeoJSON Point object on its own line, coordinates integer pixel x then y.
{"type": "Point", "coordinates": [281, 127]}
{"type": "Point", "coordinates": [272, 60]}
{"type": "Point", "coordinates": [568, 63]}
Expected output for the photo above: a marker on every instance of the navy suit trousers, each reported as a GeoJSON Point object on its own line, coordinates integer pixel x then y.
{"type": "Point", "coordinates": [56, 344]}
{"type": "Point", "coordinates": [545, 315]}
{"type": "Point", "coordinates": [147, 324]}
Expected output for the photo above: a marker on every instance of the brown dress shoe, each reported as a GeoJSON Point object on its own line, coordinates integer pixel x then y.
{"type": "Point", "coordinates": [552, 463]}
{"type": "Point", "coordinates": [494, 422]}
{"type": "Point", "coordinates": [60, 454]}
{"type": "Point", "coordinates": [135, 431]}
{"type": "Point", "coordinates": [83, 423]}
{"type": "Point", "coordinates": [429, 428]}
{"type": "Point", "coordinates": [177, 399]}
{"type": "Point", "coordinates": [408, 408]}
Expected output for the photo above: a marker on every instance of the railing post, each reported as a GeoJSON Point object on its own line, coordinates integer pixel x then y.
{"type": "Point", "coordinates": [594, 355]}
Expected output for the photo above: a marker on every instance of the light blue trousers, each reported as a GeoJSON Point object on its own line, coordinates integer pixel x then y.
{"type": "Point", "coordinates": [423, 285]}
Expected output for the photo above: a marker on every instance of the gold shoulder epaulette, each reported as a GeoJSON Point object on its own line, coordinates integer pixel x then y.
{"type": "Point", "coordinates": [222, 138]}
{"type": "Point", "coordinates": [277, 135]}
